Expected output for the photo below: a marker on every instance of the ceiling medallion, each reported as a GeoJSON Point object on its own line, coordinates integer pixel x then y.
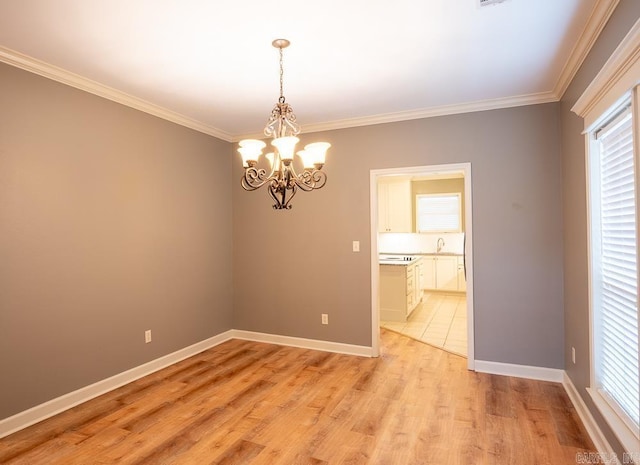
{"type": "Point", "coordinates": [282, 180]}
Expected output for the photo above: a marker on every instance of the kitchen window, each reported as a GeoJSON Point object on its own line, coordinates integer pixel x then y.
{"type": "Point", "coordinates": [613, 190]}
{"type": "Point", "coordinates": [436, 213]}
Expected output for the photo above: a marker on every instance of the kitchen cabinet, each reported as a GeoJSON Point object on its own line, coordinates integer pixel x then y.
{"type": "Point", "coordinates": [447, 273]}
{"type": "Point", "coordinates": [394, 206]}
{"type": "Point", "coordinates": [399, 295]}
{"type": "Point", "coordinates": [428, 269]}
{"type": "Point", "coordinates": [443, 273]}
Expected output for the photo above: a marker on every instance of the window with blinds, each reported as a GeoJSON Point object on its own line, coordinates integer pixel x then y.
{"type": "Point", "coordinates": [438, 213]}
{"type": "Point", "coordinates": [614, 266]}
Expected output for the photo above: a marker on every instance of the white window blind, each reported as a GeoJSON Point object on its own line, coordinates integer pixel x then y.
{"type": "Point", "coordinates": [438, 212]}
{"type": "Point", "coordinates": [615, 269]}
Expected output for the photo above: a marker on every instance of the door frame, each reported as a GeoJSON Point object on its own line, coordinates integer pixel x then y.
{"type": "Point", "coordinates": [375, 267]}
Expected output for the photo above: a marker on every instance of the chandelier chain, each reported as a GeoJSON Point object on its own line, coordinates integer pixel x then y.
{"type": "Point", "coordinates": [281, 99]}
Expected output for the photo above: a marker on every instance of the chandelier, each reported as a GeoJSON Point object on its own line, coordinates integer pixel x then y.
{"type": "Point", "coordinates": [282, 180]}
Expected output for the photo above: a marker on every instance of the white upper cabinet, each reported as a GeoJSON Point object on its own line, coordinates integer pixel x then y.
{"type": "Point", "coordinates": [394, 206]}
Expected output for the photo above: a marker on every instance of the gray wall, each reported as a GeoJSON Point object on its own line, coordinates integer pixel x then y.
{"type": "Point", "coordinates": [291, 266]}
{"type": "Point", "coordinates": [112, 222]}
{"type": "Point", "coordinates": [575, 207]}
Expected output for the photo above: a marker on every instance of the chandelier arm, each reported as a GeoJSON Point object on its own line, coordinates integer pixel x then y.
{"type": "Point", "coordinates": [254, 178]}
{"type": "Point", "coordinates": [311, 180]}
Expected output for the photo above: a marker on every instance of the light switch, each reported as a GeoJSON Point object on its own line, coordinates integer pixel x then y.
{"type": "Point", "coordinates": [356, 246]}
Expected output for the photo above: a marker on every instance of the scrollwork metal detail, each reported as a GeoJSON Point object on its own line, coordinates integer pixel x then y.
{"type": "Point", "coordinates": [311, 179]}
{"type": "Point", "coordinates": [282, 119]}
{"type": "Point", "coordinates": [254, 178]}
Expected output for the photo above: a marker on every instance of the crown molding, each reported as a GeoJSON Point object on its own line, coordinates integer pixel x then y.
{"type": "Point", "coordinates": [600, 15]}
{"type": "Point", "coordinates": [444, 110]}
{"type": "Point", "coordinates": [618, 75]}
{"type": "Point", "coordinates": [597, 21]}
{"type": "Point", "coordinates": [33, 65]}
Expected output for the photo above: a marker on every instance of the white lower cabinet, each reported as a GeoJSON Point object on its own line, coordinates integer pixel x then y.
{"type": "Point", "coordinates": [447, 273]}
{"type": "Point", "coordinates": [443, 273]}
{"type": "Point", "coordinates": [428, 278]}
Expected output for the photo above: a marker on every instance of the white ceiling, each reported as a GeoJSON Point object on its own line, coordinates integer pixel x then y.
{"type": "Point", "coordinates": [209, 64]}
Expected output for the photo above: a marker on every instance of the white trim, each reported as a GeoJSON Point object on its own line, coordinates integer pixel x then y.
{"type": "Point", "coordinates": [467, 107]}
{"type": "Point", "coordinates": [53, 407]}
{"type": "Point", "coordinates": [33, 65]}
{"type": "Point", "coordinates": [599, 16]}
{"type": "Point", "coordinates": [465, 168]}
{"type": "Point", "coordinates": [618, 75]}
{"type": "Point", "coordinates": [468, 226]}
{"type": "Point", "coordinates": [627, 437]}
{"type": "Point", "coordinates": [375, 263]}
{"type": "Point", "coordinates": [601, 13]}
{"type": "Point", "coordinates": [595, 433]}
{"type": "Point", "coordinates": [520, 371]}
{"type": "Point", "coordinates": [55, 73]}
{"type": "Point", "coordinates": [313, 344]}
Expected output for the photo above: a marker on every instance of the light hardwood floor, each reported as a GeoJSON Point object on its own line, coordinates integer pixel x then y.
{"type": "Point", "coordinates": [440, 320]}
{"type": "Point", "coordinates": [252, 403]}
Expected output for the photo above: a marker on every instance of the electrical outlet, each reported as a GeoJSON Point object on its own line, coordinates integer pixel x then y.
{"type": "Point", "coordinates": [356, 246]}
{"type": "Point", "coordinates": [573, 355]}
{"type": "Point", "coordinates": [325, 319]}
{"type": "Point", "coordinates": [147, 336]}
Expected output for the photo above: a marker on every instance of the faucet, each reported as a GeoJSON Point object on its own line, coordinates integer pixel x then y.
{"type": "Point", "coordinates": [439, 245]}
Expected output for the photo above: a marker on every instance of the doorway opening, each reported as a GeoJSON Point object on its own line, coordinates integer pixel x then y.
{"type": "Point", "coordinates": [413, 239]}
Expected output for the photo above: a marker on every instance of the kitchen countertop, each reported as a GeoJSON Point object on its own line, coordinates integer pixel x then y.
{"type": "Point", "coordinates": [441, 254]}
{"type": "Point", "coordinates": [398, 260]}
{"type": "Point", "coordinates": [424, 254]}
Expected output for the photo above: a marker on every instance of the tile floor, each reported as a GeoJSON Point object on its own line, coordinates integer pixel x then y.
{"type": "Point", "coordinates": [440, 320]}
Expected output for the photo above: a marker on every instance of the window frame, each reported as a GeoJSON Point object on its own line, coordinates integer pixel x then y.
{"type": "Point", "coordinates": [617, 78]}
{"type": "Point", "coordinates": [620, 422]}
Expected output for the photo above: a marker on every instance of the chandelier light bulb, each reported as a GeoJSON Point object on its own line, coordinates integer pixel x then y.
{"type": "Point", "coordinates": [307, 159]}
{"type": "Point", "coordinates": [286, 147]}
{"type": "Point", "coordinates": [250, 150]}
{"type": "Point", "coordinates": [318, 151]}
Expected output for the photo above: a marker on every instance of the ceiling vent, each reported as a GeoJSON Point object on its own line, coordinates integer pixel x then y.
{"type": "Point", "coordinates": [482, 3]}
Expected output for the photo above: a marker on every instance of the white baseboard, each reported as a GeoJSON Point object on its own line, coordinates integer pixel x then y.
{"type": "Point", "coordinates": [48, 409]}
{"type": "Point", "coordinates": [520, 371]}
{"type": "Point", "coordinates": [314, 344]}
{"type": "Point", "coordinates": [598, 438]}
{"type": "Point", "coordinates": [60, 404]}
